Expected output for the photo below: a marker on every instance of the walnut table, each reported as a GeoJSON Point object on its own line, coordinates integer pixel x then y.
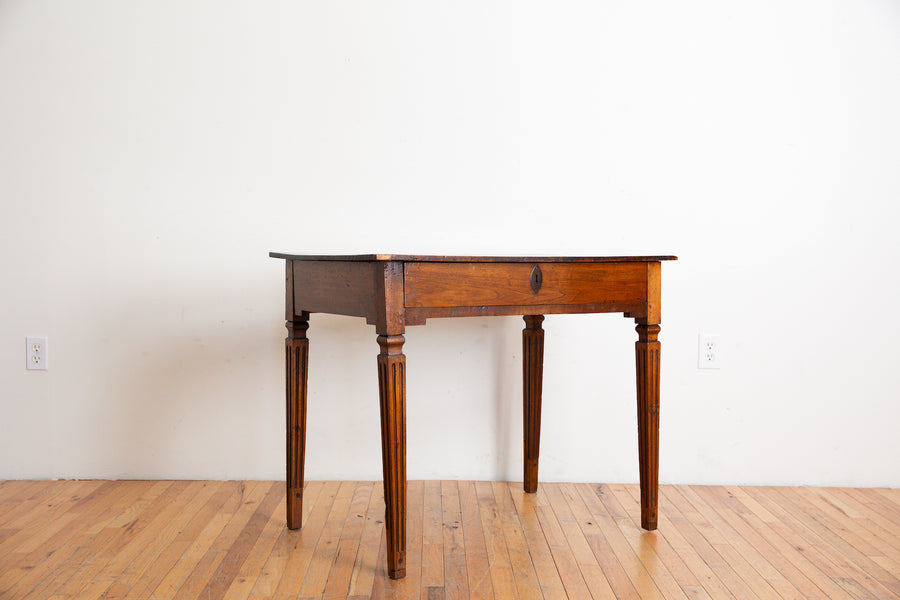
{"type": "Point", "coordinates": [392, 291]}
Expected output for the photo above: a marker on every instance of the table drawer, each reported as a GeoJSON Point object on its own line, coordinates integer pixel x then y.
{"type": "Point", "coordinates": [430, 285]}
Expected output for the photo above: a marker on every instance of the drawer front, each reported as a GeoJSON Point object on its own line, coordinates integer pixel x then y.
{"type": "Point", "coordinates": [431, 285]}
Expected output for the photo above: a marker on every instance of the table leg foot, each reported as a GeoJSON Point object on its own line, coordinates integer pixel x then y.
{"type": "Point", "coordinates": [297, 361]}
{"type": "Point", "coordinates": [647, 350]}
{"type": "Point", "coordinates": [533, 372]}
{"type": "Point", "coordinates": [392, 395]}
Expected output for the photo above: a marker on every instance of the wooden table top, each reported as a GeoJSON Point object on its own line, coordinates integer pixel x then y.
{"type": "Point", "coordinates": [479, 259]}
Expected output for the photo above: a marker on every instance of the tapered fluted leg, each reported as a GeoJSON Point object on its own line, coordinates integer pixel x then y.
{"type": "Point", "coordinates": [533, 371]}
{"type": "Point", "coordinates": [647, 368]}
{"type": "Point", "coordinates": [392, 393]}
{"type": "Point", "coordinates": [297, 355]}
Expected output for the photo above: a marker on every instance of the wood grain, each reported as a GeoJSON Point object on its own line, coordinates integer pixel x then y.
{"type": "Point", "coordinates": [532, 375]}
{"type": "Point", "coordinates": [392, 394]}
{"type": "Point", "coordinates": [467, 540]}
{"type": "Point", "coordinates": [502, 284]}
{"type": "Point", "coordinates": [445, 258]}
{"type": "Point", "coordinates": [296, 378]}
{"type": "Point", "coordinates": [342, 288]}
{"type": "Point", "coordinates": [647, 360]}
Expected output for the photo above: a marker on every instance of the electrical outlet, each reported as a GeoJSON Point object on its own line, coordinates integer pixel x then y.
{"type": "Point", "coordinates": [36, 353]}
{"type": "Point", "coordinates": [709, 351]}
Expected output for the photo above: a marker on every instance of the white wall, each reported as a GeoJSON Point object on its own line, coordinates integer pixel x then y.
{"type": "Point", "coordinates": [152, 153]}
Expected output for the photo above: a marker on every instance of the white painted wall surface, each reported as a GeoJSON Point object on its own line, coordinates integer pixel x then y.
{"type": "Point", "coordinates": [153, 153]}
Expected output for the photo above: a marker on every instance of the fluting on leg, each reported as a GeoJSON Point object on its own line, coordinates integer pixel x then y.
{"type": "Point", "coordinates": [647, 350]}
{"type": "Point", "coordinates": [392, 394]}
{"type": "Point", "coordinates": [533, 372]}
{"type": "Point", "coordinates": [297, 357]}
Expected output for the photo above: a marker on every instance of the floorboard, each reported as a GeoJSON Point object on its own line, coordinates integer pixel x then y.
{"type": "Point", "coordinates": [215, 540]}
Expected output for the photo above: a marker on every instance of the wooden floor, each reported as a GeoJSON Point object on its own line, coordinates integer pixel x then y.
{"type": "Point", "coordinates": [211, 539]}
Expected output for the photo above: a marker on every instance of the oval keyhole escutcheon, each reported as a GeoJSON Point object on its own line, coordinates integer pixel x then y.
{"type": "Point", "coordinates": [537, 278]}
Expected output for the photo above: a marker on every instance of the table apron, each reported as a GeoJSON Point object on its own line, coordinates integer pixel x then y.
{"type": "Point", "coordinates": [417, 316]}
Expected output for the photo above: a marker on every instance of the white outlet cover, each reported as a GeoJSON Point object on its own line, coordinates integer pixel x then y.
{"type": "Point", "coordinates": [36, 353]}
{"type": "Point", "coordinates": [709, 351]}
